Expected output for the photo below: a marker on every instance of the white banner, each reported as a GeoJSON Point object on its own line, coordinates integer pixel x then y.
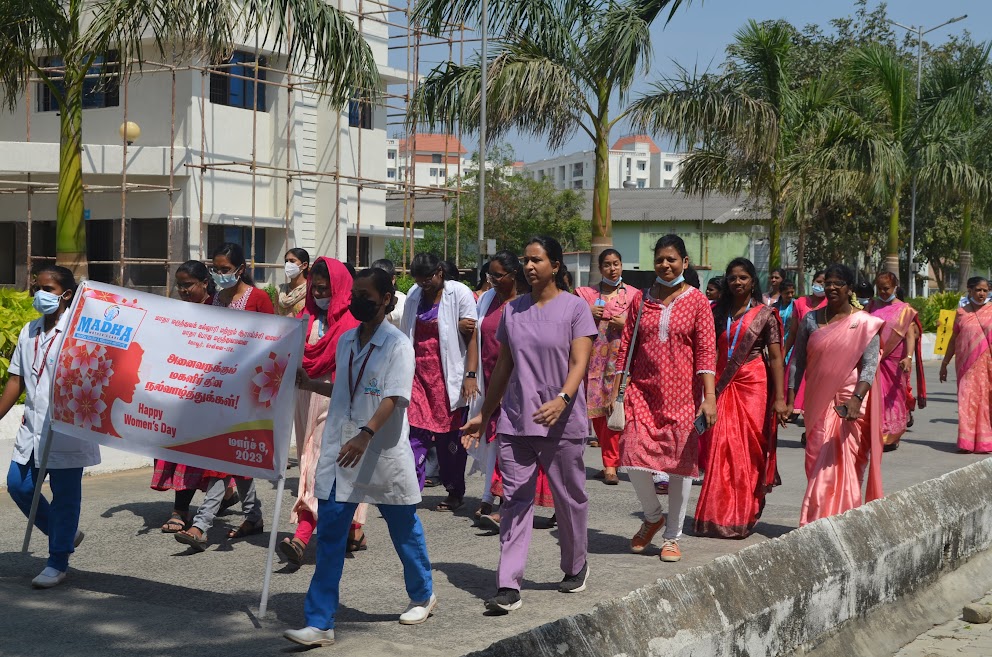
{"type": "Point", "coordinates": [184, 382]}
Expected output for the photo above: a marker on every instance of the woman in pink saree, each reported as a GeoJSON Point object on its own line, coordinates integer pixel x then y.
{"type": "Point", "coordinates": [899, 340]}
{"type": "Point", "coordinates": [839, 348]}
{"type": "Point", "coordinates": [801, 307]}
{"type": "Point", "coordinates": [970, 345]}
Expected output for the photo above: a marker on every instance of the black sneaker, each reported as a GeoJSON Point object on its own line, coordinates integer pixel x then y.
{"type": "Point", "coordinates": [575, 583]}
{"type": "Point", "coordinates": [505, 601]}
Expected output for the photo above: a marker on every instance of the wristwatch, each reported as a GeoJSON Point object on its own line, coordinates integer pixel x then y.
{"type": "Point", "coordinates": [568, 400]}
{"type": "Point", "coordinates": [860, 397]}
{"type": "Point", "coordinates": [367, 430]}
{"type": "Point", "coordinates": [471, 375]}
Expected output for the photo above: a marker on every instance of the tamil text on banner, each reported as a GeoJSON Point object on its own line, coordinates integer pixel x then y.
{"type": "Point", "coordinates": [189, 383]}
{"type": "Point", "coordinates": [945, 324]}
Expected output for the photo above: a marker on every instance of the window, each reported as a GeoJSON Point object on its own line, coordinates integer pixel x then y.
{"type": "Point", "coordinates": [668, 166]}
{"type": "Point", "coordinates": [9, 254]}
{"type": "Point", "coordinates": [641, 183]}
{"type": "Point", "coordinates": [364, 248]}
{"type": "Point", "coordinates": [577, 184]}
{"type": "Point", "coordinates": [668, 183]}
{"type": "Point", "coordinates": [435, 158]}
{"type": "Point", "coordinates": [98, 92]}
{"type": "Point", "coordinates": [147, 238]}
{"type": "Point", "coordinates": [240, 235]}
{"type": "Point", "coordinates": [391, 173]}
{"type": "Point", "coordinates": [433, 173]}
{"type": "Point", "coordinates": [577, 170]}
{"type": "Point", "coordinates": [234, 83]}
{"type": "Point", "coordinates": [642, 166]}
{"type": "Point", "coordinates": [360, 111]}
{"type": "Point", "coordinates": [440, 174]}
{"type": "Point", "coordinates": [391, 154]}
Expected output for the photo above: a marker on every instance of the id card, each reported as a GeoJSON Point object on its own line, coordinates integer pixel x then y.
{"type": "Point", "coordinates": [348, 431]}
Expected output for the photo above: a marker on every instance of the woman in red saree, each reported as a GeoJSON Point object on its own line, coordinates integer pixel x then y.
{"type": "Point", "coordinates": [970, 345]}
{"type": "Point", "coordinates": [899, 340]}
{"type": "Point", "coordinates": [740, 459]}
{"type": "Point", "coordinates": [839, 348]}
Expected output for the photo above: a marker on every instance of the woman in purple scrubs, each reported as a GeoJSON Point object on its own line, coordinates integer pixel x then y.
{"type": "Point", "coordinates": [545, 342]}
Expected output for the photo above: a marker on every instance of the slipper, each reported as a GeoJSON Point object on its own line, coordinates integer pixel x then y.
{"type": "Point", "coordinates": [484, 510]}
{"type": "Point", "coordinates": [198, 544]}
{"type": "Point", "coordinates": [489, 523]}
{"type": "Point", "coordinates": [450, 505]}
{"type": "Point", "coordinates": [293, 550]}
{"type": "Point", "coordinates": [247, 528]}
{"type": "Point", "coordinates": [358, 544]}
{"type": "Point", "coordinates": [175, 523]}
{"type": "Point", "coordinates": [432, 482]}
{"type": "Point", "coordinates": [611, 479]}
{"type": "Point", "coordinates": [593, 443]}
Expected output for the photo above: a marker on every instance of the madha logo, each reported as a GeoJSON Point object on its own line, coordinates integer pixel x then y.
{"type": "Point", "coordinates": [111, 325]}
{"type": "Point", "coordinates": [111, 313]}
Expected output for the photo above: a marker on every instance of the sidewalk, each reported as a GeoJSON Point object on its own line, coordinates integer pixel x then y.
{"type": "Point", "coordinates": [955, 638]}
{"type": "Point", "coordinates": [132, 590]}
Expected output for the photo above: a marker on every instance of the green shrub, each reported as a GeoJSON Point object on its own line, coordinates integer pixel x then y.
{"type": "Point", "coordinates": [930, 308]}
{"type": "Point", "coordinates": [273, 293]}
{"type": "Point", "coordinates": [15, 311]}
{"type": "Point", "coordinates": [404, 283]}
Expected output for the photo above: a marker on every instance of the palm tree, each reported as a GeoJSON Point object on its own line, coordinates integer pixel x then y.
{"type": "Point", "coordinates": [83, 35]}
{"type": "Point", "coordinates": [745, 125]}
{"type": "Point", "coordinates": [560, 66]}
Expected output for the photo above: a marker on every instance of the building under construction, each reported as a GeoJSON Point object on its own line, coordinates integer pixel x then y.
{"type": "Point", "coordinates": [246, 151]}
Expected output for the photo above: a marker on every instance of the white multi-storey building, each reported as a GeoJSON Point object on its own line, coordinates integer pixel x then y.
{"type": "Point", "coordinates": [425, 160]}
{"type": "Point", "coordinates": [635, 162]}
{"type": "Point", "coordinates": [203, 138]}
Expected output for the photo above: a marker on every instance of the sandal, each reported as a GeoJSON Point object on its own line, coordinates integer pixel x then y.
{"type": "Point", "coordinates": [199, 544]}
{"type": "Point", "coordinates": [611, 479]}
{"type": "Point", "coordinates": [357, 544]}
{"type": "Point", "coordinates": [489, 522]}
{"type": "Point", "coordinates": [450, 504]}
{"type": "Point", "coordinates": [176, 523]}
{"type": "Point", "coordinates": [293, 550]}
{"type": "Point", "coordinates": [247, 528]}
{"type": "Point", "coordinates": [484, 510]}
{"type": "Point", "coordinates": [593, 443]}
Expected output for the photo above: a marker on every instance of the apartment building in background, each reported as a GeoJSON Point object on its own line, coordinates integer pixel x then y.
{"type": "Point", "coordinates": [426, 160]}
{"type": "Point", "coordinates": [635, 162]}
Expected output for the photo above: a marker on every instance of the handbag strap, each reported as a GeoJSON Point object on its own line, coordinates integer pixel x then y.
{"type": "Point", "coordinates": [630, 350]}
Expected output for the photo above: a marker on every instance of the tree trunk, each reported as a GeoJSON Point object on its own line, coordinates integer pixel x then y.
{"type": "Point", "coordinates": [892, 249]}
{"type": "Point", "coordinates": [964, 254]}
{"type": "Point", "coordinates": [602, 222]}
{"type": "Point", "coordinates": [774, 239]}
{"type": "Point", "coordinates": [801, 260]}
{"type": "Point", "coordinates": [70, 230]}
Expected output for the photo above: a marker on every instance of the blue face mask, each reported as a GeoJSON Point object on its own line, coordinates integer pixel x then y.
{"type": "Point", "coordinates": [46, 303]}
{"type": "Point", "coordinates": [225, 281]}
{"type": "Point", "coordinates": [612, 283]}
{"type": "Point", "coordinates": [888, 299]}
{"type": "Point", "coordinates": [677, 281]}
{"type": "Point", "coordinates": [818, 290]}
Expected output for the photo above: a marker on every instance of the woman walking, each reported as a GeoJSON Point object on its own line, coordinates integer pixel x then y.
{"type": "Point", "coordinates": [365, 456]}
{"type": "Point", "coordinates": [292, 295]}
{"type": "Point", "coordinates": [31, 369]}
{"type": "Point", "coordinates": [969, 345]}
{"type": "Point", "coordinates": [900, 341]}
{"type": "Point", "coordinates": [740, 460]}
{"type": "Point", "coordinates": [609, 301]}
{"type": "Point", "coordinates": [545, 341]}
{"type": "Point", "coordinates": [194, 284]}
{"type": "Point", "coordinates": [235, 290]}
{"type": "Point", "coordinates": [676, 343]}
{"type": "Point", "coordinates": [445, 378]}
{"type": "Point", "coordinates": [327, 300]}
{"type": "Point", "coordinates": [775, 280]}
{"type": "Point", "coordinates": [839, 348]}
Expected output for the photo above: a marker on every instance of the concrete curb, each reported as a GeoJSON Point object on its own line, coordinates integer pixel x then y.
{"type": "Point", "coordinates": [113, 460]}
{"type": "Point", "coordinates": [789, 595]}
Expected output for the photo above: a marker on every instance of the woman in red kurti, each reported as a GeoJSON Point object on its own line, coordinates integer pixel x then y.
{"type": "Point", "coordinates": [740, 459]}
{"type": "Point", "coordinates": [675, 344]}
{"type": "Point", "coordinates": [194, 285]}
{"type": "Point", "coordinates": [237, 291]}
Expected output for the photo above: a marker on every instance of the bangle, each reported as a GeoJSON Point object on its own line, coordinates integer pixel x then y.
{"type": "Point", "coordinates": [709, 394]}
{"type": "Point", "coordinates": [860, 397]}
{"type": "Point", "coordinates": [367, 430]}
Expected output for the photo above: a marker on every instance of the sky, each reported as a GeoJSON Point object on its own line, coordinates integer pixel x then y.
{"type": "Point", "coordinates": [698, 35]}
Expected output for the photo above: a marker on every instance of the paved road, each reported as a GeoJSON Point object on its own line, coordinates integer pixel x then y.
{"type": "Point", "coordinates": [134, 590]}
{"type": "Point", "coordinates": [954, 638]}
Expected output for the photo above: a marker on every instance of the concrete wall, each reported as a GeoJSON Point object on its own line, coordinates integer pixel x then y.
{"type": "Point", "coordinates": [817, 586]}
{"type": "Point", "coordinates": [114, 460]}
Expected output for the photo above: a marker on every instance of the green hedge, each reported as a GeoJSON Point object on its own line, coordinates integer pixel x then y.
{"type": "Point", "coordinates": [930, 308]}
{"type": "Point", "coordinates": [15, 311]}
{"type": "Point", "coordinates": [404, 283]}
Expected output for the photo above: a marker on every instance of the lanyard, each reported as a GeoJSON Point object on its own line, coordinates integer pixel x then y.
{"type": "Point", "coordinates": [737, 333]}
{"type": "Point", "coordinates": [44, 360]}
{"type": "Point", "coordinates": [352, 382]}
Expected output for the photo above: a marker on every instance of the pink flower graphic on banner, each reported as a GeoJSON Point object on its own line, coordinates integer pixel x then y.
{"type": "Point", "coordinates": [268, 378]}
{"type": "Point", "coordinates": [101, 374]}
{"type": "Point", "coordinates": [86, 405]}
{"type": "Point", "coordinates": [87, 357]}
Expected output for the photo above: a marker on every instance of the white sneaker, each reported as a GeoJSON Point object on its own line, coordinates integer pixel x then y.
{"type": "Point", "coordinates": [418, 612]}
{"type": "Point", "coordinates": [48, 578]}
{"type": "Point", "coordinates": [310, 636]}
{"type": "Point", "coordinates": [78, 539]}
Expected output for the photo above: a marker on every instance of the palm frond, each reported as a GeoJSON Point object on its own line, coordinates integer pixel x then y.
{"type": "Point", "coordinates": [28, 27]}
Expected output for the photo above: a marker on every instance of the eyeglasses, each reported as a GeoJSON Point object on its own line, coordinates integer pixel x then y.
{"type": "Point", "coordinates": [185, 287]}
{"type": "Point", "coordinates": [495, 278]}
{"type": "Point", "coordinates": [215, 270]}
{"type": "Point", "coordinates": [834, 284]}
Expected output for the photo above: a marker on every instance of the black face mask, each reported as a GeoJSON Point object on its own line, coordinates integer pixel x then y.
{"type": "Point", "coordinates": [363, 309]}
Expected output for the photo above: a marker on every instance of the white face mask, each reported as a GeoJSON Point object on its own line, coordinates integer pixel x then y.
{"type": "Point", "coordinates": [324, 303]}
{"type": "Point", "coordinates": [888, 299]}
{"type": "Point", "coordinates": [818, 290]}
{"type": "Point", "coordinates": [292, 270]}
{"type": "Point", "coordinates": [615, 283]}
{"type": "Point", "coordinates": [676, 282]}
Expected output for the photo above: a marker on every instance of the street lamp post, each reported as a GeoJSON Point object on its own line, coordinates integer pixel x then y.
{"type": "Point", "coordinates": [484, 29]}
{"type": "Point", "coordinates": [920, 33]}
